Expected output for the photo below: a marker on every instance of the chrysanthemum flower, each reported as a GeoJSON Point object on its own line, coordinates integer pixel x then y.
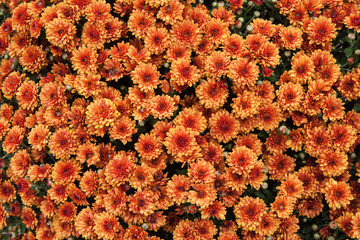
{"type": "Point", "coordinates": [176, 51]}
{"type": "Point", "coordinates": [163, 106]}
{"type": "Point", "coordinates": [148, 146]}
{"type": "Point", "coordinates": [115, 201]}
{"type": "Point", "coordinates": [192, 119]}
{"type": "Point", "coordinates": [97, 11]}
{"type": "Point", "coordinates": [13, 139]}
{"type": "Point", "coordinates": [11, 84]}
{"type": "Point", "coordinates": [216, 31]}
{"type": "Point", "coordinates": [235, 181]}
{"type": "Point", "coordinates": [106, 225]}
{"type": "Point", "coordinates": [28, 217]}
{"type": "Point", "coordinates": [332, 163]}
{"type": "Point", "coordinates": [84, 59]}
{"type": "Point", "coordinates": [140, 21]}
{"type": "Point", "coordinates": [52, 95]}
{"type": "Point", "coordinates": [202, 195]}
{"type": "Point", "coordinates": [344, 222]}
{"type": "Point", "coordinates": [257, 175]}
{"type": "Point", "coordinates": [7, 192]}
{"type": "Point", "coordinates": [4, 127]}
{"type": "Point", "coordinates": [20, 163]}
{"type": "Point", "coordinates": [180, 141]}
{"type": "Point", "coordinates": [337, 194]}
{"type": "Point", "coordinates": [223, 126]}
{"type": "Point", "coordinates": [155, 221]}
{"type": "Point", "coordinates": [311, 207]}
{"type": "Point", "coordinates": [269, 116]}
{"type": "Point", "coordinates": [333, 108]}
{"type": "Point", "coordinates": [146, 76]}
{"type": "Point", "coordinates": [185, 230]}
{"type": "Point", "coordinates": [249, 211]}
{"type": "Point", "coordinates": [282, 206]}
{"type": "Point", "coordinates": [321, 30]}
{"type": "Point", "coordinates": [93, 35]}
{"type": "Point", "coordinates": [302, 69]}
{"type": "Point", "coordinates": [263, 27]}
{"type": "Point", "coordinates": [217, 64]}
{"type": "Point", "coordinates": [291, 187]}
{"type": "Point", "coordinates": [135, 232]}
{"type": "Point", "coordinates": [21, 17]}
{"type": "Point", "coordinates": [33, 59]}
{"type": "Point", "coordinates": [183, 73]}
{"type": "Point", "coordinates": [171, 12]}
{"type": "Point", "coordinates": [119, 169]}
{"type": "Point", "coordinates": [84, 223]}
{"type": "Point", "coordinates": [61, 33]}
{"type": "Point", "coordinates": [243, 72]}
{"type": "Point", "coordinates": [67, 212]}
{"type": "Point", "coordinates": [279, 165]}
{"type": "Point", "coordinates": [186, 33]}
{"type": "Point", "coordinates": [38, 136]}
{"type": "Point", "coordinates": [317, 140]}
{"type": "Point", "coordinates": [142, 202]}
{"type": "Point", "coordinates": [101, 115]}
{"type": "Point", "coordinates": [62, 143]}
{"type": "Point", "coordinates": [123, 130]}
{"type": "Point", "coordinates": [290, 96]}
{"type": "Point", "coordinates": [241, 159]}
{"type": "Point", "coordinates": [206, 229]}
{"type": "Point", "coordinates": [212, 93]}
{"type": "Point", "coordinates": [201, 172]}
{"type": "Point", "coordinates": [157, 40]}
{"type": "Point", "coordinates": [353, 21]}
{"type": "Point", "coordinates": [215, 210]}
{"type": "Point", "coordinates": [245, 105]}
{"type": "Point", "coordinates": [269, 224]}
{"type": "Point", "coordinates": [268, 55]}
{"type": "Point", "coordinates": [141, 177]}
{"type": "Point", "coordinates": [178, 187]}
{"type": "Point", "coordinates": [89, 183]}
{"type": "Point", "coordinates": [27, 95]}
{"type": "Point", "coordinates": [65, 172]}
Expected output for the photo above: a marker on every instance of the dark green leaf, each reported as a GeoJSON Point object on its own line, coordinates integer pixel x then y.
{"type": "Point", "coordinates": [348, 52]}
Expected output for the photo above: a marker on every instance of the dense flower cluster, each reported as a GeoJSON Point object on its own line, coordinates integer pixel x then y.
{"type": "Point", "coordinates": [172, 119]}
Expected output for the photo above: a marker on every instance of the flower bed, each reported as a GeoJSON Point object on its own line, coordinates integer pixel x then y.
{"type": "Point", "coordinates": [174, 119]}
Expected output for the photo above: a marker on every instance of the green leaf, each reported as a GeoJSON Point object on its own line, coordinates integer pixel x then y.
{"type": "Point", "coordinates": [357, 107]}
{"type": "Point", "coordinates": [348, 52]}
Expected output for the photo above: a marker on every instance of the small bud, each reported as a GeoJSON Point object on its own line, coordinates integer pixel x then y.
{"type": "Point", "coordinates": [68, 87]}
{"type": "Point", "coordinates": [141, 123]}
{"type": "Point", "coordinates": [314, 227]}
{"type": "Point", "coordinates": [250, 3]}
{"type": "Point", "coordinates": [265, 185]}
{"type": "Point", "coordinates": [357, 52]}
{"type": "Point", "coordinates": [271, 19]}
{"type": "Point", "coordinates": [241, 19]}
{"type": "Point", "coordinates": [351, 36]}
{"type": "Point", "coordinates": [257, 14]}
{"type": "Point", "coordinates": [259, 82]}
{"type": "Point", "coordinates": [302, 155]}
{"type": "Point", "coordinates": [283, 129]}
{"type": "Point", "coordinates": [351, 60]}
{"type": "Point", "coordinates": [167, 65]}
{"type": "Point", "coordinates": [51, 58]}
{"type": "Point", "coordinates": [305, 220]}
{"type": "Point", "coordinates": [214, 4]}
{"type": "Point", "coordinates": [353, 155]}
{"type": "Point", "coordinates": [330, 238]}
{"type": "Point", "coordinates": [201, 1]}
{"type": "Point", "coordinates": [145, 226]}
{"type": "Point", "coordinates": [333, 225]}
{"type": "Point", "coordinates": [65, 56]}
{"type": "Point", "coordinates": [249, 28]}
{"type": "Point", "coordinates": [317, 236]}
{"type": "Point", "coordinates": [221, 4]}
{"type": "Point", "coordinates": [287, 53]}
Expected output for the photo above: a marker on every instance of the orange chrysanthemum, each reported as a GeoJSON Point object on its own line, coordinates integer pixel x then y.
{"type": "Point", "coordinates": [191, 119]}
{"type": "Point", "coordinates": [33, 59]}
{"type": "Point", "coordinates": [123, 130]}
{"type": "Point", "coordinates": [62, 143]}
{"type": "Point", "coordinates": [180, 141]}
{"type": "Point", "coordinates": [332, 163]}
{"type": "Point", "coordinates": [241, 159]}
{"type": "Point", "coordinates": [65, 172]}
{"type": "Point", "coordinates": [269, 224]}
{"type": "Point", "coordinates": [61, 33]}
{"type": "Point", "coordinates": [201, 172]}
{"type": "Point", "coordinates": [13, 139]}
{"type": "Point", "coordinates": [93, 35]}
{"type": "Point", "coordinates": [27, 95]}
{"type": "Point", "coordinates": [202, 195]}
{"type": "Point", "coordinates": [223, 126]}
{"type": "Point", "coordinates": [20, 163]}
{"type": "Point", "coordinates": [178, 188]}
{"type": "Point", "coordinates": [84, 223]}
{"type": "Point", "coordinates": [106, 225]}
{"type": "Point", "coordinates": [337, 194]}
{"type": "Point", "coordinates": [186, 33]}
{"type": "Point", "coordinates": [163, 106]}
{"type": "Point", "coordinates": [249, 212]}
{"type": "Point", "coordinates": [243, 72]}
{"type": "Point", "coordinates": [7, 192]}
{"type": "Point", "coordinates": [245, 105]}
{"type": "Point", "coordinates": [97, 11]}
{"type": "Point", "coordinates": [119, 169]}
{"type": "Point", "coordinates": [212, 93]}
{"type": "Point", "coordinates": [148, 146]}
{"type": "Point", "coordinates": [311, 207]}
{"type": "Point", "coordinates": [11, 84]}
{"type": "Point", "coordinates": [217, 64]}
{"type": "Point", "coordinates": [157, 40]}
{"type": "Point", "coordinates": [269, 116]}
{"type": "Point", "coordinates": [84, 60]}
{"type": "Point", "coordinates": [140, 21]}
{"type": "Point", "coordinates": [183, 73]}
{"type": "Point", "coordinates": [321, 30]}
{"type": "Point", "coordinates": [52, 95]}
{"type": "Point", "coordinates": [290, 96]}
{"type": "Point", "coordinates": [28, 217]}
{"type": "Point", "coordinates": [146, 76]}
{"type": "Point", "coordinates": [101, 115]}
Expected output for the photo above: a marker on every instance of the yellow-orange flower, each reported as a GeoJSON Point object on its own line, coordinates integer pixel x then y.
{"type": "Point", "coordinates": [249, 212]}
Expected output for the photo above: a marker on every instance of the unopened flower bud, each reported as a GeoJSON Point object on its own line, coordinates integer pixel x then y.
{"type": "Point", "coordinates": [265, 185]}
{"type": "Point", "coordinates": [65, 56]}
{"type": "Point", "coordinates": [357, 52]}
{"type": "Point", "coordinates": [145, 226]}
{"type": "Point", "coordinates": [257, 14]}
{"type": "Point", "coordinates": [330, 238]}
{"type": "Point", "coordinates": [250, 3]}
{"type": "Point", "coordinates": [249, 28]}
{"type": "Point", "coordinates": [302, 155]}
{"type": "Point", "coordinates": [221, 4]}
{"type": "Point", "coordinates": [351, 36]}
{"type": "Point", "coordinates": [333, 225]}
{"type": "Point", "coordinates": [214, 4]}
{"type": "Point", "coordinates": [283, 129]}
{"type": "Point", "coordinates": [167, 65]}
{"type": "Point", "coordinates": [353, 155]}
{"type": "Point", "coordinates": [317, 236]}
{"type": "Point", "coordinates": [314, 227]}
{"type": "Point", "coordinates": [287, 53]}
